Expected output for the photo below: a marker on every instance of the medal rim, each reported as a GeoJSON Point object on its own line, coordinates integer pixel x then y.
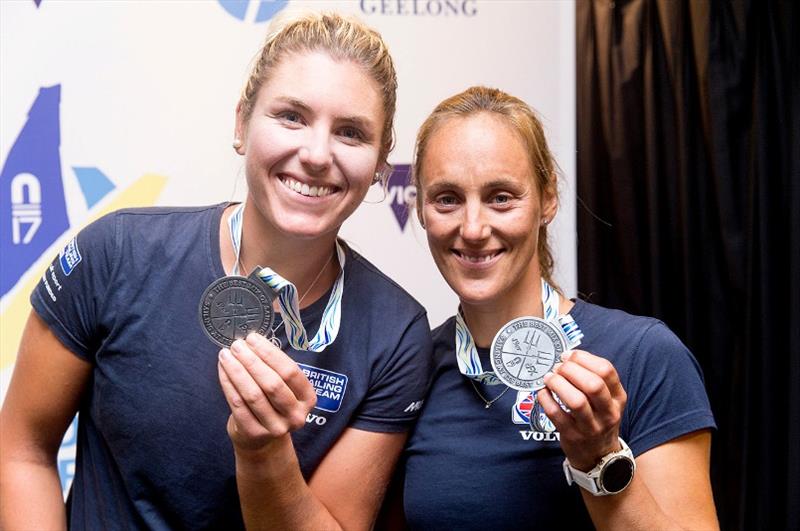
{"type": "Point", "coordinates": [265, 325]}
{"type": "Point", "coordinates": [538, 383]}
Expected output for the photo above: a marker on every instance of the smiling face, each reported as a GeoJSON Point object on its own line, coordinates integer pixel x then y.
{"type": "Point", "coordinates": [482, 210]}
{"type": "Point", "coordinates": [312, 144]}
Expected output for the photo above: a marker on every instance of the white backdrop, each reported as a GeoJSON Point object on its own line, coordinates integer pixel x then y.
{"type": "Point", "coordinates": [147, 97]}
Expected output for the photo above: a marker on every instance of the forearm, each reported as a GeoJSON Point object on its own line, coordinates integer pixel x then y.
{"type": "Point", "coordinates": [30, 496]}
{"type": "Point", "coordinates": [636, 509]}
{"type": "Point", "coordinates": [273, 493]}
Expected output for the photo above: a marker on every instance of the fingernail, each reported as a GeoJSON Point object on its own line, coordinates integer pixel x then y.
{"type": "Point", "coordinates": [237, 346]}
{"type": "Point", "coordinates": [547, 377]}
{"type": "Point", "coordinates": [567, 355]}
{"type": "Point", "coordinates": [224, 354]}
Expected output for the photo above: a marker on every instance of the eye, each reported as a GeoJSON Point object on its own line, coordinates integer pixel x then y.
{"type": "Point", "coordinates": [292, 117]}
{"type": "Point", "coordinates": [446, 200]}
{"type": "Point", "coordinates": [501, 199]}
{"type": "Point", "coordinates": [352, 134]}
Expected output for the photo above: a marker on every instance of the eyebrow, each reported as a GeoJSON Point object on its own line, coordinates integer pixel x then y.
{"type": "Point", "coordinates": [359, 121]}
{"type": "Point", "coordinates": [449, 185]}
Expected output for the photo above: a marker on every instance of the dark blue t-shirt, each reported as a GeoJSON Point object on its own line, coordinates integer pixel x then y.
{"type": "Point", "coordinates": [153, 451]}
{"type": "Point", "coordinates": [468, 467]}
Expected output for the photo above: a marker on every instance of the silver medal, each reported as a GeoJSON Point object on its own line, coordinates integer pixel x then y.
{"type": "Point", "coordinates": [232, 307]}
{"type": "Point", "coordinates": [526, 349]}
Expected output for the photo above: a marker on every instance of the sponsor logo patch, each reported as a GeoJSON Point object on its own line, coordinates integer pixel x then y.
{"type": "Point", "coordinates": [521, 412]}
{"type": "Point", "coordinates": [70, 257]}
{"type": "Point", "coordinates": [330, 387]}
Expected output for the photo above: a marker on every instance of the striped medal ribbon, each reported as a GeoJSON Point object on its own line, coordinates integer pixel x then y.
{"type": "Point", "coordinates": [288, 300]}
{"type": "Point", "coordinates": [469, 363]}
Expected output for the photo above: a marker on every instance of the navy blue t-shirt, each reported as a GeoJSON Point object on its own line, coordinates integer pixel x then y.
{"type": "Point", "coordinates": [468, 467]}
{"type": "Point", "coordinates": [153, 451]}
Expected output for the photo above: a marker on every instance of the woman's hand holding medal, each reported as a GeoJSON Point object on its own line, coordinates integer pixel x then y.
{"type": "Point", "coordinates": [268, 394]}
{"type": "Point", "coordinates": [590, 388]}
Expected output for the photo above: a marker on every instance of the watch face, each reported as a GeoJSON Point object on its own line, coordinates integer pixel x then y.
{"type": "Point", "coordinates": [616, 475]}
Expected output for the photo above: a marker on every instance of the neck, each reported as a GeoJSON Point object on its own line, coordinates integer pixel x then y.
{"type": "Point", "coordinates": [524, 297]}
{"type": "Point", "coordinates": [486, 318]}
{"type": "Point", "coordinates": [303, 262]}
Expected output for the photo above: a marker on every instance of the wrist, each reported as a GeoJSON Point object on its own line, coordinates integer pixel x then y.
{"type": "Point", "coordinates": [612, 475]}
{"type": "Point", "coordinates": [270, 458]}
{"type": "Point", "coordinates": [587, 461]}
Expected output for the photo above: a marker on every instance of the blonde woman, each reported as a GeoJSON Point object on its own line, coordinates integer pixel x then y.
{"type": "Point", "coordinates": [544, 412]}
{"type": "Point", "coordinates": [297, 426]}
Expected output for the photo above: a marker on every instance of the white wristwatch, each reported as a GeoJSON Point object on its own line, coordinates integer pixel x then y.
{"type": "Point", "coordinates": [612, 474]}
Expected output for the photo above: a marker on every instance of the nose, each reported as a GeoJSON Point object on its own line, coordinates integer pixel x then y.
{"type": "Point", "coordinates": [475, 226]}
{"type": "Point", "coordinates": [316, 153]}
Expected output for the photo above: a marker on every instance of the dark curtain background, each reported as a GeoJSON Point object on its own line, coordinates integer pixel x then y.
{"type": "Point", "coordinates": [689, 210]}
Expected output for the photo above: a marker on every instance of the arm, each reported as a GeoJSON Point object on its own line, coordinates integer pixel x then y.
{"type": "Point", "coordinates": [671, 488]}
{"type": "Point", "coordinates": [270, 397]}
{"type": "Point", "coordinates": [663, 494]}
{"type": "Point", "coordinates": [42, 399]}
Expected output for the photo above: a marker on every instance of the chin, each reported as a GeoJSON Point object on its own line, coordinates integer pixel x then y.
{"type": "Point", "coordinates": [476, 295]}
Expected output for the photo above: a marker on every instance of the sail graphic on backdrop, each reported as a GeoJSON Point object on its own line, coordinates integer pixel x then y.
{"type": "Point", "coordinates": [34, 212]}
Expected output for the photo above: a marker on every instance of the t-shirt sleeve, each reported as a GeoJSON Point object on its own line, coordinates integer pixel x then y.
{"type": "Point", "coordinates": [666, 394]}
{"type": "Point", "coordinates": [74, 289]}
{"type": "Point", "coordinates": [395, 399]}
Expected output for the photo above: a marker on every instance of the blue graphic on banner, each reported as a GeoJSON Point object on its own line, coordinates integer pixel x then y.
{"type": "Point", "coordinates": [266, 8]}
{"type": "Point", "coordinates": [33, 212]}
{"type": "Point", "coordinates": [94, 184]}
{"type": "Point", "coordinates": [402, 194]}
{"type": "Point", "coordinates": [330, 387]}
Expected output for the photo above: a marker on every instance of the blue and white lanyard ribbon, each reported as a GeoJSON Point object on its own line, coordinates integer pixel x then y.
{"type": "Point", "coordinates": [469, 363]}
{"type": "Point", "coordinates": [288, 300]}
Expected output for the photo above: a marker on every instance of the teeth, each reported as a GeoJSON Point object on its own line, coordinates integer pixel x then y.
{"type": "Point", "coordinates": [304, 189]}
{"type": "Point", "coordinates": [477, 259]}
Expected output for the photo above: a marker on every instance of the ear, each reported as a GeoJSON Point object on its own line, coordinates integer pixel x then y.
{"type": "Point", "coordinates": [550, 200]}
{"type": "Point", "coordinates": [418, 204]}
{"type": "Point", "coordinates": [239, 131]}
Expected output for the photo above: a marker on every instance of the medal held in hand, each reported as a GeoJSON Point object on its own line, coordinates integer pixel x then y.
{"type": "Point", "coordinates": [234, 306]}
{"type": "Point", "coordinates": [526, 349]}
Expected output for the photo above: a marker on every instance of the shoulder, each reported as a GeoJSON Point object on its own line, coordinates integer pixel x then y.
{"type": "Point", "coordinates": [366, 282]}
{"type": "Point", "coordinates": [609, 329]}
{"type": "Point", "coordinates": [443, 335]}
{"type": "Point", "coordinates": [157, 217]}
{"type": "Point", "coordinates": [599, 318]}
{"type": "Point", "coordinates": [444, 342]}
{"type": "Point", "coordinates": [124, 221]}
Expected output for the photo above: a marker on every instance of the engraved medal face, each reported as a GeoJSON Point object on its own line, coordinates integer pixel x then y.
{"type": "Point", "coordinates": [232, 307]}
{"type": "Point", "coordinates": [524, 350]}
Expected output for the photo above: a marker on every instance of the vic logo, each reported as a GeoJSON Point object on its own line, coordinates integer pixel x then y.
{"type": "Point", "coordinates": [402, 194]}
{"type": "Point", "coordinates": [264, 9]}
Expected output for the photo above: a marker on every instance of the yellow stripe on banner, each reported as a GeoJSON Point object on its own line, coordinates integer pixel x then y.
{"type": "Point", "coordinates": [143, 192]}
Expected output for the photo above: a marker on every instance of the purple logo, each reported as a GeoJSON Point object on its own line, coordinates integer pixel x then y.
{"type": "Point", "coordinates": [401, 193]}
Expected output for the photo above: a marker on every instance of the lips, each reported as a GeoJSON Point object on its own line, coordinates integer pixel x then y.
{"type": "Point", "coordinates": [306, 190]}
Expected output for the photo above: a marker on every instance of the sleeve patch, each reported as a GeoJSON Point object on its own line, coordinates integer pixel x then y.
{"type": "Point", "coordinates": [70, 257]}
